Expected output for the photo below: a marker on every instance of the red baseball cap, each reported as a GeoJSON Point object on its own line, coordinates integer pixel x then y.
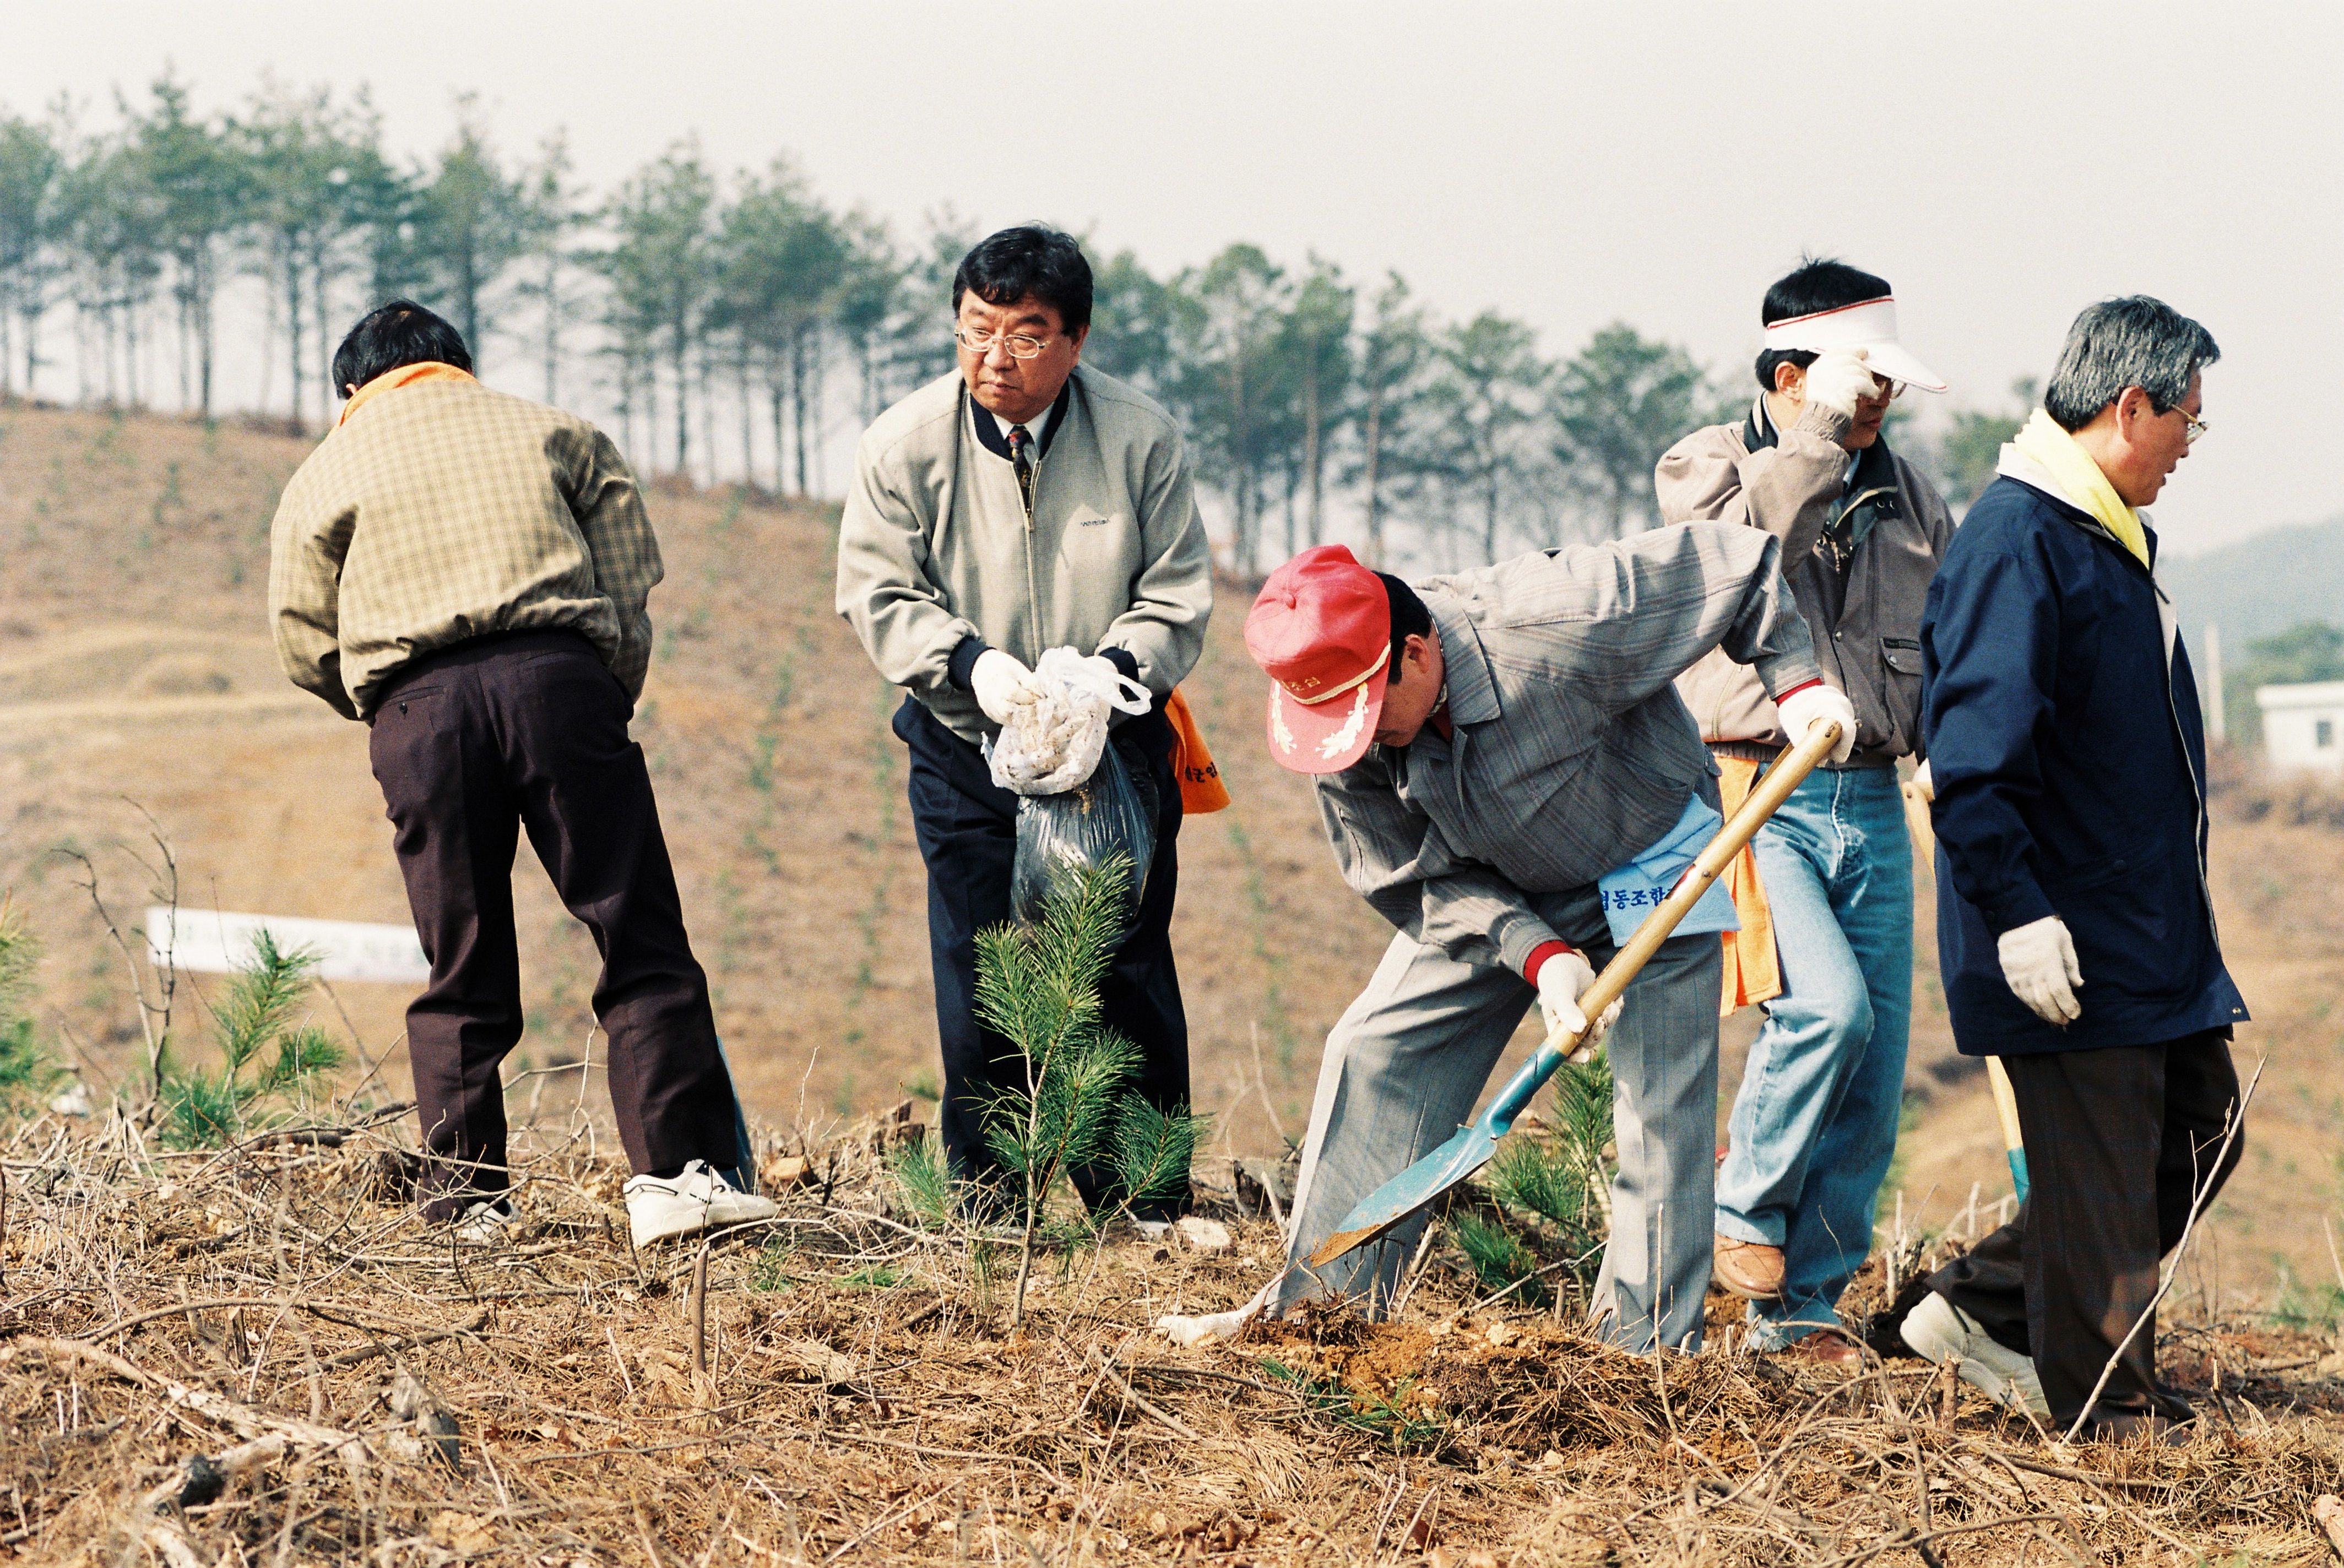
{"type": "Point", "coordinates": [1321, 629]}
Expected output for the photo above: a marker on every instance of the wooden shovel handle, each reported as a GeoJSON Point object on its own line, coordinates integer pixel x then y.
{"type": "Point", "coordinates": [1787, 773]}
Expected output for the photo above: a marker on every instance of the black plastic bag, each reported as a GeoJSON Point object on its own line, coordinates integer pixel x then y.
{"type": "Point", "coordinates": [1111, 813]}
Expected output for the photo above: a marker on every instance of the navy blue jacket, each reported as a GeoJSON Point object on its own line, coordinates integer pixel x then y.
{"type": "Point", "coordinates": [2070, 771]}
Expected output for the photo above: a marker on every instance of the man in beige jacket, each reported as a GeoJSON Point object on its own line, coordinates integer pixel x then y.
{"type": "Point", "coordinates": [1021, 503]}
{"type": "Point", "coordinates": [1814, 1122]}
{"type": "Point", "coordinates": [466, 572]}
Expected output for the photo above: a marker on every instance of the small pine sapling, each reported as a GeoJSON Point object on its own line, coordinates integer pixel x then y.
{"type": "Point", "coordinates": [924, 1183]}
{"type": "Point", "coordinates": [27, 1072]}
{"type": "Point", "coordinates": [1563, 1177]}
{"type": "Point", "coordinates": [1038, 986]}
{"type": "Point", "coordinates": [264, 1054]}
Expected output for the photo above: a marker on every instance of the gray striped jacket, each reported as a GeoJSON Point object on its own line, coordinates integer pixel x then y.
{"type": "Point", "coordinates": [1572, 751]}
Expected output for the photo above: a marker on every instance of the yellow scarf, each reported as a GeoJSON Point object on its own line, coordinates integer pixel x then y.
{"type": "Point", "coordinates": [2081, 477]}
{"type": "Point", "coordinates": [405, 376]}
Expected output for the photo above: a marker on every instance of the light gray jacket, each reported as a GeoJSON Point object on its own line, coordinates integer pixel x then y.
{"type": "Point", "coordinates": [936, 547]}
{"type": "Point", "coordinates": [1571, 752]}
{"type": "Point", "coordinates": [1791, 487]}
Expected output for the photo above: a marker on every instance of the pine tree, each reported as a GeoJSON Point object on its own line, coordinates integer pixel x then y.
{"type": "Point", "coordinates": [257, 1030]}
{"type": "Point", "coordinates": [1039, 985]}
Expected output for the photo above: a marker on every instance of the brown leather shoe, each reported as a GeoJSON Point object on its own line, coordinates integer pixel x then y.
{"type": "Point", "coordinates": [1750, 1269]}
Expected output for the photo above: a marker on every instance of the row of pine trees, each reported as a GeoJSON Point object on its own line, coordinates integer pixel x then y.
{"type": "Point", "coordinates": [740, 325]}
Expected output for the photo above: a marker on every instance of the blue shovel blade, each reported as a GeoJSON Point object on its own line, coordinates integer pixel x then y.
{"type": "Point", "coordinates": [1445, 1168]}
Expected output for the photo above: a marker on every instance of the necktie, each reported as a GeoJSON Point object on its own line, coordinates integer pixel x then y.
{"type": "Point", "coordinates": [1021, 456]}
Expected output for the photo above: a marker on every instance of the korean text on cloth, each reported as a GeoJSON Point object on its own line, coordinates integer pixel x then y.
{"type": "Point", "coordinates": [1639, 887]}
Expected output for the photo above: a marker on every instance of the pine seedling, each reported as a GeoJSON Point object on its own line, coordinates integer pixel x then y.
{"type": "Point", "coordinates": [265, 1055]}
{"type": "Point", "coordinates": [1564, 1177]}
{"type": "Point", "coordinates": [924, 1183]}
{"type": "Point", "coordinates": [1499, 1256]}
{"type": "Point", "coordinates": [1039, 985]}
{"type": "Point", "coordinates": [27, 1073]}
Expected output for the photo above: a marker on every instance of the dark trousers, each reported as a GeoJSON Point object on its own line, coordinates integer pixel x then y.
{"type": "Point", "coordinates": [967, 829]}
{"type": "Point", "coordinates": [2118, 1144]}
{"type": "Point", "coordinates": [470, 746]}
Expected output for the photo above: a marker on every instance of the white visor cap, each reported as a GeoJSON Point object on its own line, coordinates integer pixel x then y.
{"type": "Point", "coordinates": [1869, 325]}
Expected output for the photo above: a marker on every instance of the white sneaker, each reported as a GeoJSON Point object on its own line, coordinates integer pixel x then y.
{"type": "Point", "coordinates": [485, 1223]}
{"type": "Point", "coordinates": [692, 1201]}
{"type": "Point", "coordinates": [1942, 1331]}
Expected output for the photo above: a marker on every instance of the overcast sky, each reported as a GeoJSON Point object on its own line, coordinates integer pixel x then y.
{"type": "Point", "coordinates": [2001, 165]}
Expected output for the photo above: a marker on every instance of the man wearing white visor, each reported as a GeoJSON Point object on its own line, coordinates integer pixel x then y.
{"type": "Point", "coordinates": [1825, 890]}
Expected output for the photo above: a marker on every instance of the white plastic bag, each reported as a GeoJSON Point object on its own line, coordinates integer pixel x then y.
{"type": "Point", "coordinates": [1058, 725]}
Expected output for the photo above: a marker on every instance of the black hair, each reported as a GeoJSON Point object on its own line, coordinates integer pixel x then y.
{"type": "Point", "coordinates": [1409, 618]}
{"type": "Point", "coordinates": [1819, 283]}
{"type": "Point", "coordinates": [1033, 259]}
{"type": "Point", "coordinates": [389, 335]}
{"type": "Point", "coordinates": [2136, 341]}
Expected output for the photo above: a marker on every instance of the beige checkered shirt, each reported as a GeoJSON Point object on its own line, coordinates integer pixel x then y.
{"type": "Point", "coordinates": [443, 511]}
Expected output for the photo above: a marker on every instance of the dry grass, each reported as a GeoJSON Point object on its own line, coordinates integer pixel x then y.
{"type": "Point", "coordinates": [263, 1357]}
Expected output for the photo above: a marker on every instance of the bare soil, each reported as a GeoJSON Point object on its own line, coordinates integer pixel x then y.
{"type": "Point", "coordinates": [262, 1355]}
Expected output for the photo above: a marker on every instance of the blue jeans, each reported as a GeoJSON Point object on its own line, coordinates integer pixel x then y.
{"type": "Point", "coordinates": [1814, 1123]}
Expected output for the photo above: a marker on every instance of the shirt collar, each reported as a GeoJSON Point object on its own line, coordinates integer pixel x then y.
{"type": "Point", "coordinates": [993, 432]}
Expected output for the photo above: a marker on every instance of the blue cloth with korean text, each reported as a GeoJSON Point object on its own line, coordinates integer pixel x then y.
{"type": "Point", "coordinates": [1638, 888]}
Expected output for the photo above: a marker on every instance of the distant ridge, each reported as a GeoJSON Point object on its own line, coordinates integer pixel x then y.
{"type": "Point", "coordinates": [2260, 585]}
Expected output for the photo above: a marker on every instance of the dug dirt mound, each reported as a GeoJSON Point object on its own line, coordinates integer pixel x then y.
{"type": "Point", "coordinates": [1525, 1384]}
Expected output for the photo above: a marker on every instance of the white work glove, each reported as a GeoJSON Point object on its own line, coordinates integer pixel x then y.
{"type": "Point", "coordinates": [1838, 377]}
{"type": "Point", "coordinates": [1803, 710]}
{"type": "Point", "coordinates": [1923, 784]}
{"type": "Point", "coordinates": [2038, 959]}
{"type": "Point", "coordinates": [993, 679]}
{"type": "Point", "coordinates": [1562, 980]}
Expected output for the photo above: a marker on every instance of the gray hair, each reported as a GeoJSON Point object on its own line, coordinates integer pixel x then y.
{"type": "Point", "coordinates": [2136, 341]}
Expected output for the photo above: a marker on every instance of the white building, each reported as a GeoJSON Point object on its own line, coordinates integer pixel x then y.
{"type": "Point", "coordinates": [2303, 725]}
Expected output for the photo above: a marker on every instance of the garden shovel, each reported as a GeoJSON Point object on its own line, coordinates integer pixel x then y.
{"type": "Point", "coordinates": [1454, 1161]}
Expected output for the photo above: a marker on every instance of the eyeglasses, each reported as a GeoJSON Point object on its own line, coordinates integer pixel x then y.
{"type": "Point", "coordinates": [2197, 426]}
{"type": "Point", "coordinates": [1020, 345]}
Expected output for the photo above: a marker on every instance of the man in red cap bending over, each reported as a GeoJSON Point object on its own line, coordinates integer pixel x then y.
{"type": "Point", "coordinates": [1508, 775]}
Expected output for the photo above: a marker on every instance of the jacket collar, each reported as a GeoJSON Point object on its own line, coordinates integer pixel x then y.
{"type": "Point", "coordinates": [988, 428]}
{"type": "Point", "coordinates": [2020, 469]}
{"type": "Point", "coordinates": [1472, 691]}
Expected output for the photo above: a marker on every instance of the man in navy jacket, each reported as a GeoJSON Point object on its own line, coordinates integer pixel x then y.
{"type": "Point", "coordinates": [2076, 926]}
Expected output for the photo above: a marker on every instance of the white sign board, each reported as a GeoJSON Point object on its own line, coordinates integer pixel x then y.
{"type": "Point", "coordinates": [219, 941]}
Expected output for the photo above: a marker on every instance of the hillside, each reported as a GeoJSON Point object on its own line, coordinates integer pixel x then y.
{"type": "Point", "coordinates": [2261, 585]}
{"type": "Point", "coordinates": [137, 680]}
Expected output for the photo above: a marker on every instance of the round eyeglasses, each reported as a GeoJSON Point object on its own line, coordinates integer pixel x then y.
{"type": "Point", "coordinates": [1020, 345]}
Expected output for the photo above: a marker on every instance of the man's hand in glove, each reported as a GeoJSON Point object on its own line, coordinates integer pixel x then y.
{"type": "Point", "coordinates": [993, 679]}
{"type": "Point", "coordinates": [1562, 980]}
{"type": "Point", "coordinates": [1803, 710]}
{"type": "Point", "coordinates": [2038, 959]}
{"type": "Point", "coordinates": [1838, 378]}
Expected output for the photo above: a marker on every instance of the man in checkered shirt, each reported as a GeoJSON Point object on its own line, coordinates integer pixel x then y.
{"type": "Point", "coordinates": [466, 572]}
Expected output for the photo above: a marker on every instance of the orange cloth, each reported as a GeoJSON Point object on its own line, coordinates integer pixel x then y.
{"type": "Point", "coordinates": [405, 376]}
{"type": "Point", "coordinates": [1754, 969]}
{"type": "Point", "coordinates": [1201, 789]}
